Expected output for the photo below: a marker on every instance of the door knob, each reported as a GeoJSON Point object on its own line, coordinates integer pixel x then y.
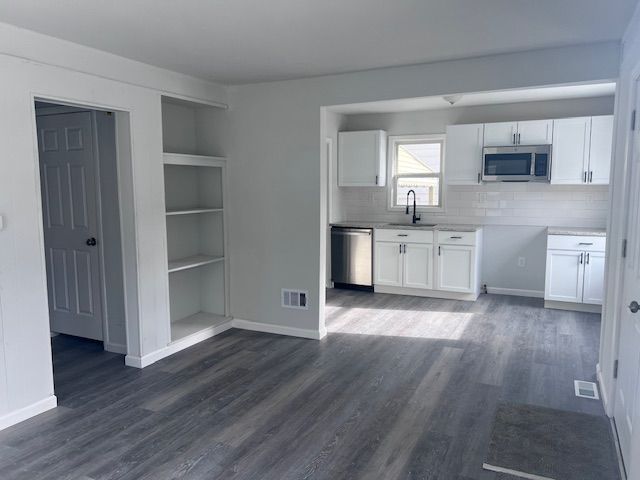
{"type": "Point", "coordinates": [92, 242]}
{"type": "Point", "coordinates": [634, 307]}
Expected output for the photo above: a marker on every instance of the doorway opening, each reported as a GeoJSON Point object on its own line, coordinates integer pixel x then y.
{"type": "Point", "coordinates": [79, 180]}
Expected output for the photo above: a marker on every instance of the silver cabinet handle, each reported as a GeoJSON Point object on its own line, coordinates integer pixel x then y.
{"type": "Point", "coordinates": [585, 178]}
{"type": "Point", "coordinates": [457, 237]}
{"type": "Point", "coordinates": [438, 250]}
{"type": "Point", "coordinates": [518, 139]}
{"type": "Point", "coordinates": [403, 235]}
{"type": "Point", "coordinates": [587, 262]}
{"type": "Point", "coordinates": [585, 243]}
{"type": "Point", "coordinates": [634, 307]}
{"type": "Point", "coordinates": [514, 138]}
{"type": "Point", "coordinates": [479, 177]}
{"type": "Point", "coordinates": [404, 248]}
{"type": "Point", "coordinates": [591, 176]}
{"type": "Point", "coordinates": [581, 258]}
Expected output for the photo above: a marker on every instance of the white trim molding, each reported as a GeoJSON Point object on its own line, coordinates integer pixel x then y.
{"type": "Point", "coordinates": [516, 292]}
{"type": "Point", "coordinates": [29, 411]}
{"type": "Point", "coordinates": [279, 329]}
{"type": "Point", "coordinates": [115, 348]}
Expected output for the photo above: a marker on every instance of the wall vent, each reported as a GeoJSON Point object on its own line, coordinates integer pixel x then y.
{"type": "Point", "coordinates": [586, 389]}
{"type": "Point", "coordinates": [295, 299]}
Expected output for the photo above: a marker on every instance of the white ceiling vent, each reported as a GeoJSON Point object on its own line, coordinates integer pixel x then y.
{"type": "Point", "coordinates": [586, 389]}
{"type": "Point", "coordinates": [295, 299]}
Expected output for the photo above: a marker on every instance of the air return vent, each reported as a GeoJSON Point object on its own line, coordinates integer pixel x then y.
{"type": "Point", "coordinates": [586, 389]}
{"type": "Point", "coordinates": [295, 299]}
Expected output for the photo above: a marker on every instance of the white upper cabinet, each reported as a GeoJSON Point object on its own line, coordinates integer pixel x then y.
{"type": "Point", "coordinates": [535, 132]}
{"type": "Point", "coordinates": [463, 160]}
{"type": "Point", "coordinates": [601, 148]}
{"type": "Point", "coordinates": [570, 154]}
{"type": "Point", "coordinates": [499, 134]}
{"type": "Point", "coordinates": [362, 158]}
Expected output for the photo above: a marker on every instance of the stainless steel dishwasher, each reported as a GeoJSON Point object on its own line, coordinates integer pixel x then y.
{"type": "Point", "coordinates": [352, 257]}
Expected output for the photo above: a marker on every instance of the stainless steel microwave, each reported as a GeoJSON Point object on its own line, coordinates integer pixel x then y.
{"type": "Point", "coordinates": [522, 163]}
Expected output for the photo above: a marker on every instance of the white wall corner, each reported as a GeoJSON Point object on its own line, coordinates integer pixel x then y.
{"type": "Point", "coordinates": [29, 411]}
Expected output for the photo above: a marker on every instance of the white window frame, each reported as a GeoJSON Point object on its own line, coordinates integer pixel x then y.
{"type": "Point", "coordinates": [392, 143]}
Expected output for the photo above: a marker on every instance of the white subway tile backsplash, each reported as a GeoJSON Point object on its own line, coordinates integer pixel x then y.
{"type": "Point", "coordinates": [499, 203]}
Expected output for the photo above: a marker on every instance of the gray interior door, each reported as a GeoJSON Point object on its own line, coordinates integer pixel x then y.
{"type": "Point", "coordinates": [69, 205]}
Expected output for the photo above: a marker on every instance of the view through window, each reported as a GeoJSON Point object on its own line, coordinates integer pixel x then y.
{"type": "Point", "coordinates": [418, 167]}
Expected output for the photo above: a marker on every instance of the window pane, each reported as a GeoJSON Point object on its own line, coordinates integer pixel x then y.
{"type": "Point", "coordinates": [427, 191]}
{"type": "Point", "coordinates": [418, 158]}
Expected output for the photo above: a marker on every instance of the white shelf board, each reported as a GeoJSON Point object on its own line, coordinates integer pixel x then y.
{"type": "Point", "coordinates": [199, 323]}
{"type": "Point", "coordinates": [190, 211]}
{"type": "Point", "coordinates": [192, 262]}
{"type": "Point", "coordinates": [192, 160]}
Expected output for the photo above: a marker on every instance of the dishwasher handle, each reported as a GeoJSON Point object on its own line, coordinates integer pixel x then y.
{"type": "Point", "coordinates": [344, 231]}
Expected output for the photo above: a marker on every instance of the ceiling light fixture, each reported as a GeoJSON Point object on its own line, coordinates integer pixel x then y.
{"type": "Point", "coordinates": [452, 99]}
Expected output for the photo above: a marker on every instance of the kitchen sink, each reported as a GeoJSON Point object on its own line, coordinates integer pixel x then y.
{"type": "Point", "coordinates": [411, 224]}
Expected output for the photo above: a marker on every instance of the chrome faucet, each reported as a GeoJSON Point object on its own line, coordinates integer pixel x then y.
{"type": "Point", "coordinates": [415, 217]}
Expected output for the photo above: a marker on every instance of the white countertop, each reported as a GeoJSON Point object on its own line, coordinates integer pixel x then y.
{"type": "Point", "coordinates": [578, 231]}
{"type": "Point", "coordinates": [417, 226]}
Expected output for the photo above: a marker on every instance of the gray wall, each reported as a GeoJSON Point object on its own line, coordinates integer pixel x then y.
{"type": "Point", "coordinates": [514, 215]}
{"type": "Point", "coordinates": [278, 217]}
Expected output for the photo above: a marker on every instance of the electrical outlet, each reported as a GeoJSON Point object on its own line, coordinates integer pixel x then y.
{"type": "Point", "coordinates": [522, 261]}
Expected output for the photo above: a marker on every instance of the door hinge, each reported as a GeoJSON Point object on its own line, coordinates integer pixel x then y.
{"type": "Point", "coordinates": [624, 248]}
{"type": "Point", "coordinates": [633, 121]}
{"type": "Point", "coordinates": [615, 369]}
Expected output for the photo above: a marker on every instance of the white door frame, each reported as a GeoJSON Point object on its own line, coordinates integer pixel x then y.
{"type": "Point", "coordinates": [125, 196]}
{"type": "Point", "coordinates": [619, 199]}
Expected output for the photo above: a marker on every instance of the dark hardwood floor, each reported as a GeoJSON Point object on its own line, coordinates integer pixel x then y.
{"type": "Point", "coordinates": [401, 388]}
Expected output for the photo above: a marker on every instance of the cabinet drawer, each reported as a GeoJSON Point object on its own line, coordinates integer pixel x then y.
{"type": "Point", "coordinates": [576, 242]}
{"type": "Point", "coordinates": [403, 236]}
{"type": "Point", "coordinates": [456, 238]}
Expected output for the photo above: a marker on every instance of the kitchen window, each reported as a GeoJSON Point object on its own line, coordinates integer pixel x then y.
{"type": "Point", "coordinates": [416, 164]}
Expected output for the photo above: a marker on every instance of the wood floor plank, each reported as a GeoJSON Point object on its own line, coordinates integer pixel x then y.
{"type": "Point", "coordinates": [401, 388]}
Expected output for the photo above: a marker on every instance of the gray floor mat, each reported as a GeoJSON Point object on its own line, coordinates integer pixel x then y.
{"type": "Point", "coordinates": [554, 444]}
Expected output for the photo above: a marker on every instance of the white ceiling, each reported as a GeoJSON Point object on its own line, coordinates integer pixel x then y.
{"type": "Point", "coordinates": [483, 98]}
{"type": "Point", "coordinates": [241, 41]}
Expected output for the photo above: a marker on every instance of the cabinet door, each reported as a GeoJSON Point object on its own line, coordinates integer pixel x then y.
{"type": "Point", "coordinates": [601, 146]}
{"type": "Point", "coordinates": [570, 153]}
{"type": "Point", "coordinates": [418, 265]}
{"type": "Point", "coordinates": [500, 134]}
{"type": "Point", "coordinates": [564, 276]}
{"type": "Point", "coordinates": [361, 158]}
{"type": "Point", "coordinates": [388, 264]}
{"type": "Point", "coordinates": [535, 132]}
{"type": "Point", "coordinates": [456, 268]}
{"type": "Point", "coordinates": [593, 291]}
{"type": "Point", "coordinates": [463, 160]}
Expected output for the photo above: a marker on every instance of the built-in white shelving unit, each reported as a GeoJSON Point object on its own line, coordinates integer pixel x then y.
{"type": "Point", "coordinates": [195, 181]}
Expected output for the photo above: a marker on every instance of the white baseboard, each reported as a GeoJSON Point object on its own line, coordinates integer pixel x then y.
{"type": "Point", "coordinates": [574, 307]}
{"type": "Point", "coordinates": [115, 348]}
{"type": "Point", "coordinates": [29, 411]}
{"type": "Point", "coordinates": [516, 292]}
{"type": "Point", "coordinates": [418, 292]}
{"type": "Point", "coordinates": [279, 329]}
{"type": "Point", "coordinates": [174, 347]}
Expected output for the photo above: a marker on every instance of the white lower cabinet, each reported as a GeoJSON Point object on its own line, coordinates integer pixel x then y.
{"type": "Point", "coordinates": [564, 276]}
{"type": "Point", "coordinates": [417, 265]}
{"type": "Point", "coordinates": [407, 265]}
{"type": "Point", "coordinates": [575, 275]}
{"type": "Point", "coordinates": [418, 262]}
{"type": "Point", "coordinates": [593, 284]}
{"type": "Point", "coordinates": [456, 268]}
{"type": "Point", "coordinates": [388, 264]}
